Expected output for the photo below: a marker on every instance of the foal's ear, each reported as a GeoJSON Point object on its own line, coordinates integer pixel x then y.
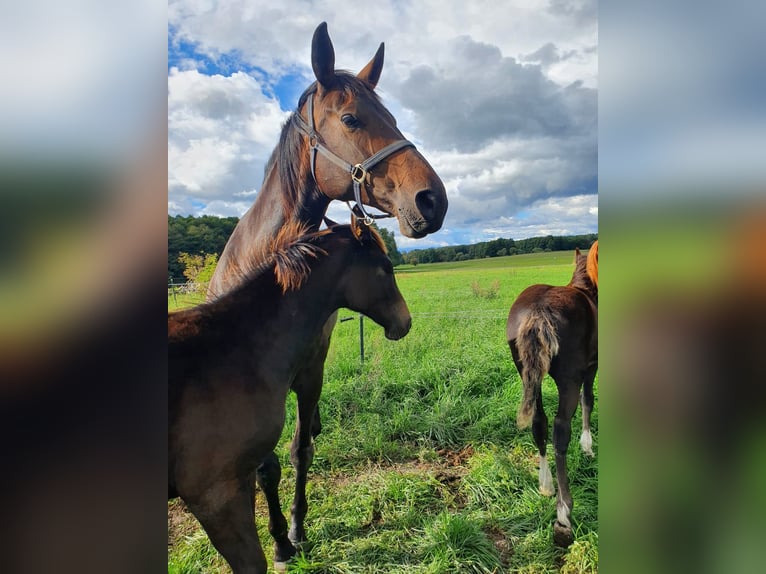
{"type": "Point", "coordinates": [323, 56]}
{"type": "Point", "coordinates": [371, 72]}
{"type": "Point", "coordinates": [329, 222]}
{"type": "Point", "coordinates": [357, 227]}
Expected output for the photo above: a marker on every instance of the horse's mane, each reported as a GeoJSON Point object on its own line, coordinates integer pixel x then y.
{"type": "Point", "coordinates": [290, 252]}
{"type": "Point", "coordinates": [291, 156]}
{"type": "Point", "coordinates": [591, 265]}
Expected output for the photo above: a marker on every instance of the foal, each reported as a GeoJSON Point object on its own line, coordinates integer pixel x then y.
{"type": "Point", "coordinates": [231, 365]}
{"type": "Point", "coordinates": [554, 330]}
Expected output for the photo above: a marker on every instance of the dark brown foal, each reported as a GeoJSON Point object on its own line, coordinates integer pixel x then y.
{"type": "Point", "coordinates": [233, 361]}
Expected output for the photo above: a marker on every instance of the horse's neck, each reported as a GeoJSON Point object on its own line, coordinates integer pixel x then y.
{"type": "Point", "coordinates": [258, 226]}
{"type": "Point", "coordinates": [282, 324]}
{"type": "Point", "coordinates": [582, 282]}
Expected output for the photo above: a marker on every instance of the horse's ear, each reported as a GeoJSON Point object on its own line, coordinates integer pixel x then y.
{"type": "Point", "coordinates": [323, 56]}
{"type": "Point", "coordinates": [577, 254]}
{"type": "Point", "coordinates": [371, 72]}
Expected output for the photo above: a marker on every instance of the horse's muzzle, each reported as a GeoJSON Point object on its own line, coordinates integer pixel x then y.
{"type": "Point", "coordinates": [395, 333]}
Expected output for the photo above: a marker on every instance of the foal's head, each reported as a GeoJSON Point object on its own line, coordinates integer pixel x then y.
{"type": "Point", "coordinates": [586, 270]}
{"type": "Point", "coordinates": [353, 270]}
{"type": "Point", "coordinates": [354, 125]}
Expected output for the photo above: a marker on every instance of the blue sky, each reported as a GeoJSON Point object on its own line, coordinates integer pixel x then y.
{"type": "Point", "coordinates": [514, 140]}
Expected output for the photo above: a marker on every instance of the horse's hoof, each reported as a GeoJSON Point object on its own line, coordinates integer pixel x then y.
{"type": "Point", "coordinates": [283, 553]}
{"type": "Point", "coordinates": [562, 535]}
{"type": "Point", "coordinates": [298, 539]}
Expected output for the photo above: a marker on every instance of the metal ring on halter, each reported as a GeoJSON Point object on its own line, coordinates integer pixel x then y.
{"type": "Point", "coordinates": [358, 173]}
{"type": "Point", "coordinates": [357, 210]}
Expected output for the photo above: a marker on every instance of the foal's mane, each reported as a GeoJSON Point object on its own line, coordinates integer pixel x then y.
{"type": "Point", "coordinates": [591, 266]}
{"type": "Point", "coordinates": [294, 246]}
{"type": "Point", "coordinates": [291, 155]}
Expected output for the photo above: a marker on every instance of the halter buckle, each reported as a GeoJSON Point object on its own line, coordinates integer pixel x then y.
{"type": "Point", "coordinates": [358, 174]}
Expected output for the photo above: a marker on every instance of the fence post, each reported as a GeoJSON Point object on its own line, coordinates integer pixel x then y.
{"type": "Point", "coordinates": [173, 288]}
{"type": "Point", "coordinates": [361, 336]}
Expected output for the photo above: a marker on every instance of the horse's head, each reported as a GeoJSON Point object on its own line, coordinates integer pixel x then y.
{"type": "Point", "coordinates": [586, 270]}
{"type": "Point", "coordinates": [351, 126]}
{"type": "Point", "coordinates": [366, 281]}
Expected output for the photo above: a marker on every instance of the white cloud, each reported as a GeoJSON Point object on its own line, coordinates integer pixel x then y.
{"type": "Point", "coordinates": [221, 131]}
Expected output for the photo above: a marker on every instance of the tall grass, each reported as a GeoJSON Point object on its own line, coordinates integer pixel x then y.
{"type": "Point", "coordinates": [419, 467]}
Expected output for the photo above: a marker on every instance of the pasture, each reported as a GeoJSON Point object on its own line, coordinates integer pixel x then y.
{"type": "Point", "coordinates": [420, 467]}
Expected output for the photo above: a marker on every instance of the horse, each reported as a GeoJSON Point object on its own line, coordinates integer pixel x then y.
{"type": "Point", "coordinates": [232, 363]}
{"type": "Point", "coordinates": [320, 157]}
{"type": "Point", "coordinates": [554, 330]}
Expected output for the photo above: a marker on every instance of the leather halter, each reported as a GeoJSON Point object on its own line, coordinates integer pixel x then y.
{"type": "Point", "coordinates": [359, 172]}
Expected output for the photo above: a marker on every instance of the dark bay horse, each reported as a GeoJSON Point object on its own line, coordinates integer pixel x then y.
{"type": "Point", "coordinates": [554, 330]}
{"type": "Point", "coordinates": [233, 361]}
{"type": "Point", "coordinates": [341, 143]}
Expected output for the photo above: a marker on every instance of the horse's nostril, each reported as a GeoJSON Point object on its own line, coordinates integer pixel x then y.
{"type": "Point", "coordinates": [425, 201]}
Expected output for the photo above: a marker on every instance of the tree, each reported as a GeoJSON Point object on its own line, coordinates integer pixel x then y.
{"type": "Point", "coordinates": [390, 242]}
{"type": "Point", "coordinates": [198, 268]}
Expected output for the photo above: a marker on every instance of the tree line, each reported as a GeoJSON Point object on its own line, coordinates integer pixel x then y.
{"type": "Point", "coordinates": [193, 239]}
{"type": "Point", "coordinates": [207, 235]}
{"type": "Point", "coordinates": [499, 247]}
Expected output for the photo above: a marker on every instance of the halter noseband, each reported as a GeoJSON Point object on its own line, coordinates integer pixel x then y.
{"type": "Point", "coordinates": [358, 172]}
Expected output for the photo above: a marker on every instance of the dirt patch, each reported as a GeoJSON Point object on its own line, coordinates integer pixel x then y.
{"type": "Point", "coordinates": [503, 545]}
{"type": "Point", "coordinates": [456, 458]}
{"type": "Point", "coordinates": [181, 522]}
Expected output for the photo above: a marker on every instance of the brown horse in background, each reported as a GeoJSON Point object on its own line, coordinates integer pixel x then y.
{"type": "Point", "coordinates": [233, 361]}
{"type": "Point", "coordinates": [321, 154]}
{"type": "Point", "coordinates": [554, 330]}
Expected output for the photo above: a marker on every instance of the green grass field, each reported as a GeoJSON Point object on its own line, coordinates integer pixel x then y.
{"type": "Point", "coordinates": [420, 467]}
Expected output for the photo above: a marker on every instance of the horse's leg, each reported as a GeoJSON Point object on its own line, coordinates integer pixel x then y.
{"type": "Point", "coordinates": [316, 423]}
{"type": "Point", "coordinates": [540, 433]}
{"type": "Point", "coordinates": [308, 387]}
{"type": "Point", "coordinates": [268, 476]}
{"type": "Point", "coordinates": [569, 393]}
{"type": "Point", "coordinates": [586, 400]}
{"type": "Point", "coordinates": [227, 514]}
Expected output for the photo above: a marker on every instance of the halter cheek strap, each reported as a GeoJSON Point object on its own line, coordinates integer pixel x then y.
{"type": "Point", "coordinates": [359, 172]}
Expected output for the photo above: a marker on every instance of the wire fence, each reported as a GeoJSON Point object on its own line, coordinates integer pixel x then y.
{"type": "Point", "coordinates": [195, 293]}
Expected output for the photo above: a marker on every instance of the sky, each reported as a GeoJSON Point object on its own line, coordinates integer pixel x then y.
{"type": "Point", "coordinates": [500, 97]}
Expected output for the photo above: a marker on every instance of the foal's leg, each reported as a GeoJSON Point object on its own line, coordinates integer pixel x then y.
{"type": "Point", "coordinates": [586, 400]}
{"type": "Point", "coordinates": [308, 387]}
{"type": "Point", "coordinates": [562, 433]}
{"type": "Point", "coordinates": [226, 513]}
{"type": "Point", "coordinates": [540, 433]}
{"type": "Point", "coordinates": [268, 476]}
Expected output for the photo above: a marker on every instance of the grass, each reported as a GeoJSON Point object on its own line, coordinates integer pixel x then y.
{"type": "Point", "coordinates": [420, 467]}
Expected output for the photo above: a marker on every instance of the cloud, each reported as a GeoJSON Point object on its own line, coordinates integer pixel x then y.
{"type": "Point", "coordinates": [221, 131]}
{"type": "Point", "coordinates": [484, 96]}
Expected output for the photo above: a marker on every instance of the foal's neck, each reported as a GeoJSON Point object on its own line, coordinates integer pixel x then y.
{"type": "Point", "coordinates": [581, 281]}
{"type": "Point", "coordinates": [285, 321]}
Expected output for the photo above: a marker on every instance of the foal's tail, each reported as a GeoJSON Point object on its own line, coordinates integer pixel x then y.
{"type": "Point", "coordinates": [537, 343]}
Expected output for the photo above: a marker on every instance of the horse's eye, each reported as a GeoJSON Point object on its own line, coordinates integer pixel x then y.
{"type": "Point", "coordinates": [350, 121]}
